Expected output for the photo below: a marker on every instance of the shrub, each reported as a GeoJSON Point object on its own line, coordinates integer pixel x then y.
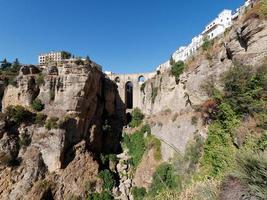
{"type": "Point", "coordinates": [40, 79]}
{"type": "Point", "coordinates": [193, 154]}
{"type": "Point", "coordinates": [40, 119]}
{"type": "Point", "coordinates": [252, 171]}
{"type": "Point", "coordinates": [177, 69]}
{"type": "Point", "coordinates": [209, 111]}
{"type": "Point", "coordinates": [105, 159]}
{"type": "Point", "coordinates": [262, 142]}
{"type": "Point", "coordinates": [137, 117]}
{"type": "Point", "coordinates": [51, 123]}
{"type": "Point", "coordinates": [37, 105]}
{"type": "Point", "coordinates": [153, 142]}
{"type": "Point", "coordinates": [146, 129]}
{"type": "Point", "coordinates": [202, 190]}
{"type": "Point", "coordinates": [263, 8]}
{"type": "Point", "coordinates": [100, 196]}
{"type": "Point", "coordinates": [136, 145]}
{"type": "Point", "coordinates": [244, 89]}
{"type": "Point", "coordinates": [194, 120]}
{"type": "Point", "coordinates": [108, 180]}
{"type": "Point", "coordinates": [79, 62]}
{"type": "Point", "coordinates": [138, 193]}
{"type": "Point", "coordinates": [218, 150]}
{"type": "Point", "coordinates": [19, 114]}
{"type": "Point", "coordinates": [207, 44]}
{"type": "Point", "coordinates": [163, 178]}
{"type": "Point", "coordinates": [65, 55]}
{"type": "Point", "coordinates": [24, 140]}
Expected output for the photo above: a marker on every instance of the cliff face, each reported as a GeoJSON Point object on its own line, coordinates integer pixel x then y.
{"type": "Point", "coordinates": [170, 105]}
{"type": "Point", "coordinates": [91, 116]}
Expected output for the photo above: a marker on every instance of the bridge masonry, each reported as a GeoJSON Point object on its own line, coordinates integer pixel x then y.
{"type": "Point", "coordinates": [129, 87]}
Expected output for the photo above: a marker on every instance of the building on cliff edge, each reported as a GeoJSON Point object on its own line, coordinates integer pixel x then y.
{"type": "Point", "coordinates": [215, 28]}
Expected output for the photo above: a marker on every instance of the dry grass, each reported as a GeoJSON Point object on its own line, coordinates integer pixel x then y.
{"type": "Point", "coordinates": [258, 11]}
{"type": "Point", "coordinates": [208, 190]}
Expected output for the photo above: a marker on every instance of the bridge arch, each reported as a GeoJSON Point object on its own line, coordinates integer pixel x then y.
{"type": "Point", "coordinates": [117, 79]}
{"type": "Point", "coordinates": [129, 95]}
{"type": "Point", "coordinates": [129, 87]}
{"type": "Point", "coordinates": [141, 79]}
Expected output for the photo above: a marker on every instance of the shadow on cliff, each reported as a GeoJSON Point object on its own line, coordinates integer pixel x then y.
{"type": "Point", "coordinates": [102, 132]}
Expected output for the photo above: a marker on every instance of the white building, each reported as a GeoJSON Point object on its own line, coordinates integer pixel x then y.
{"type": "Point", "coordinates": [218, 25]}
{"type": "Point", "coordinates": [48, 57]}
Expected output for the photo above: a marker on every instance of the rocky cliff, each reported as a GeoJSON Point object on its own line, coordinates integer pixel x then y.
{"type": "Point", "coordinates": [57, 159]}
{"type": "Point", "coordinates": [171, 105]}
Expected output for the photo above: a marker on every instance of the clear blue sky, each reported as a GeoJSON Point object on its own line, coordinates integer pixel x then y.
{"type": "Point", "coordinates": [121, 35]}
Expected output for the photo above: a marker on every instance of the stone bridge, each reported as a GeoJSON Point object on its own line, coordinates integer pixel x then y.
{"type": "Point", "coordinates": [129, 87]}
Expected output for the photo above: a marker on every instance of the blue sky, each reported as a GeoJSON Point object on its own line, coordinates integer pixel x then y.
{"type": "Point", "coordinates": [124, 36]}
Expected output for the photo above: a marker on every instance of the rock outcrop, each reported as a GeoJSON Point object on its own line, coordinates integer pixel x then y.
{"type": "Point", "coordinates": [59, 163]}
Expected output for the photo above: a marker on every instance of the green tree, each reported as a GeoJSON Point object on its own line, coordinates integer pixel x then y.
{"type": "Point", "coordinates": [65, 55]}
{"type": "Point", "coordinates": [5, 64]}
{"type": "Point", "coordinates": [177, 69]}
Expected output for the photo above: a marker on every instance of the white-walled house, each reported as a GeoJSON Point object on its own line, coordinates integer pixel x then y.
{"type": "Point", "coordinates": [218, 25]}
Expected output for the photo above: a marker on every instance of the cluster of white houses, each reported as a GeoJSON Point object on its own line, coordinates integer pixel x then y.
{"type": "Point", "coordinates": [218, 26]}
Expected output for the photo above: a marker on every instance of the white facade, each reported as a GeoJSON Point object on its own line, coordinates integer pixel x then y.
{"type": "Point", "coordinates": [212, 30]}
{"type": "Point", "coordinates": [218, 25]}
{"type": "Point", "coordinates": [51, 56]}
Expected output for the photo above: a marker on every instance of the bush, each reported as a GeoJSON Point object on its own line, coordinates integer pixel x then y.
{"type": "Point", "coordinates": [163, 179]}
{"type": "Point", "coordinates": [209, 111]}
{"type": "Point", "coordinates": [263, 8]}
{"type": "Point", "coordinates": [19, 114]}
{"type": "Point", "coordinates": [194, 120]}
{"type": "Point", "coordinates": [136, 145]}
{"type": "Point", "coordinates": [146, 129]}
{"type": "Point", "coordinates": [202, 190]}
{"type": "Point", "coordinates": [177, 69]}
{"type": "Point", "coordinates": [138, 193]}
{"type": "Point", "coordinates": [218, 150]}
{"type": "Point", "coordinates": [244, 89]}
{"type": "Point", "coordinates": [153, 142]}
{"type": "Point", "coordinates": [108, 180]}
{"type": "Point", "coordinates": [100, 196]}
{"type": "Point", "coordinates": [37, 105]}
{"type": "Point", "coordinates": [193, 154]}
{"type": "Point", "coordinates": [79, 62]}
{"type": "Point", "coordinates": [207, 44]}
{"type": "Point", "coordinates": [40, 79]}
{"type": "Point", "coordinates": [40, 119]}
{"type": "Point", "coordinates": [252, 171]}
{"type": "Point", "coordinates": [137, 117]}
{"type": "Point", "coordinates": [51, 123]}
{"type": "Point", "coordinates": [262, 142]}
{"type": "Point", "coordinates": [24, 140]}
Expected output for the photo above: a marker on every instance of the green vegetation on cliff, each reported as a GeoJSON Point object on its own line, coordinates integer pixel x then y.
{"type": "Point", "coordinates": [236, 142]}
{"type": "Point", "coordinates": [177, 68]}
